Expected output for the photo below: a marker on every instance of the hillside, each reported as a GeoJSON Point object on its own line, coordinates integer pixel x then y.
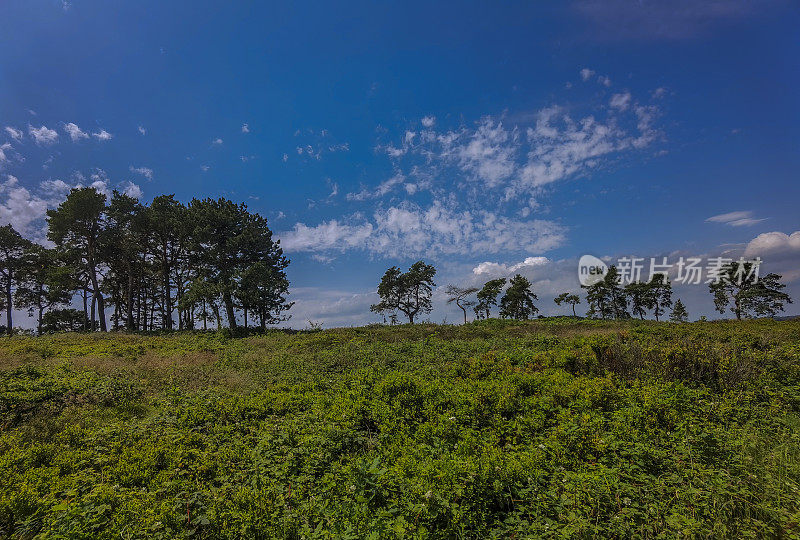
{"type": "Point", "coordinates": [492, 429]}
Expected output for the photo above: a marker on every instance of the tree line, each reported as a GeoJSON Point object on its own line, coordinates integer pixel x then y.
{"type": "Point", "coordinates": [739, 290]}
{"type": "Point", "coordinates": [161, 266]}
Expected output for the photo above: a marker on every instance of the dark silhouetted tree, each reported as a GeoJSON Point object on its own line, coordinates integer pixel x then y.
{"type": "Point", "coordinates": [487, 296]}
{"type": "Point", "coordinates": [679, 313]}
{"type": "Point", "coordinates": [568, 298]}
{"type": "Point", "coordinates": [517, 302]}
{"type": "Point", "coordinates": [748, 296]}
{"type": "Point", "coordinates": [408, 292]}
{"type": "Point", "coordinates": [459, 296]}
{"type": "Point", "coordinates": [13, 248]}
{"type": "Point", "coordinates": [78, 223]}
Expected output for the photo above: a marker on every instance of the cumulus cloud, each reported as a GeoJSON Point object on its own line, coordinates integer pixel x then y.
{"type": "Point", "coordinates": [428, 121]}
{"type": "Point", "coordinates": [498, 269]}
{"type": "Point", "coordinates": [438, 229]}
{"type": "Point", "coordinates": [43, 135]}
{"type": "Point", "coordinates": [144, 171]}
{"type": "Point", "coordinates": [75, 133]}
{"type": "Point", "coordinates": [245, 128]}
{"type": "Point", "coordinates": [779, 250]}
{"type": "Point", "coordinates": [736, 219]}
{"type": "Point", "coordinates": [14, 133]}
{"type": "Point", "coordinates": [102, 135]}
{"type": "Point", "coordinates": [586, 74]}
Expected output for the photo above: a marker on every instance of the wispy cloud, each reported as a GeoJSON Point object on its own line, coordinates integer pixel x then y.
{"type": "Point", "coordinates": [217, 141]}
{"type": "Point", "coordinates": [144, 171]}
{"type": "Point", "coordinates": [142, 130]}
{"type": "Point", "coordinates": [736, 219]}
{"type": "Point", "coordinates": [245, 128]}
{"type": "Point", "coordinates": [653, 20]}
{"type": "Point", "coordinates": [14, 133]}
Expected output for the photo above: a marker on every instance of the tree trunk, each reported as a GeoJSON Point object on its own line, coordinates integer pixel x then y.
{"type": "Point", "coordinates": [573, 310]}
{"type": "Point", "coordinates": [129, 305]}
{"type": "Point", "coordinates": [9, 323]}
{"type": "Point", "coordinates": [226, 297]}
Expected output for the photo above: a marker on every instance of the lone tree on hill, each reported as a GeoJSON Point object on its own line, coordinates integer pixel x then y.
{"type": "Point", "coordinates": [679, 313]}
{"type": "Point", "coordinates": [409, 292]}
{"type": "Point", "coordinates": [459, 296]}
{"type": "Point", "coordinates": [517, 302]}
{"type": "Point", "coordinates": [738, 284]}
{"type": "Point", "coordinates": [487, 296]}
{"type": "Point", "coordinates": [567, 298]}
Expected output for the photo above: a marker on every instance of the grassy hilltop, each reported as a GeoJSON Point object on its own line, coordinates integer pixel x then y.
{"type": "Point", "coordinates": [493, 429]}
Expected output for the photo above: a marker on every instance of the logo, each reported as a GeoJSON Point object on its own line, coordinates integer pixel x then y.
{"type": "Point", "coordinates": [591, 270]}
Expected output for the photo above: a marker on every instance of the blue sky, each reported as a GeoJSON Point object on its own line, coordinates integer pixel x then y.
{"type": "Point", "coordinates": [475, 136]}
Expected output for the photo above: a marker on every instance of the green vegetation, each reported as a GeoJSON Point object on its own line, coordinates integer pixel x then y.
{"type": "Point", "coordinates": [493, 429]}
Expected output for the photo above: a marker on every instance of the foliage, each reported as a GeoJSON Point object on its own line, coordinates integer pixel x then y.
{"type": "Point", "coordinates": [494, 429]}
{"type": "Point", "coordinates": [517, 302]}
{"type": "Point", "coordinates": [460, 296]}
{"type": "Point", "coordinates": [408, 292]}
{"type": "Point", "coordinates": [606, 298]}
{"type": "Point", "coordinates": [679, 313]}
{"type": "Point", "coordinates": [487, 296]}
{"type": "Point", "coordinates": [748, 295]}
{"type": "Point", "coordinates": [568, 298]}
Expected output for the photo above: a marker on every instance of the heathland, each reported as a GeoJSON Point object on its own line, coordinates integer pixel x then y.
{"type": "Point", "coordinates": [491, 429]}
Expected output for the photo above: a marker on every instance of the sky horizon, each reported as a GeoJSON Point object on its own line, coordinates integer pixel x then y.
{"type": "Point", "coordinates": [485, 141]}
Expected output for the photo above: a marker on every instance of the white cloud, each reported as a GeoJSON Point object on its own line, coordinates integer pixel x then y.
{"type": "Point", "coordinates": [144, 171]}
{"type": "Point", "coordinates": [780, 251]}
{"type": "Point", "coordinates": [428, 121]}
{"type": "Point", "coordinates": [586, 74]}
{"type": "Point", "coordinates": [621, 101]}
{"type": "Point", "coordinates": [204, 168]}
{"type": "Point", "coordinates": [43, 135]}
{"type": "Point", "coordinates": [330, 235]}
{"type": "Point", "coordinates": [132, 190]}
{"type": "Point", "coordinates": [285, 157]}
{"type": "Point", "coordinates": [102, 135]}
{"type": "Point", "coordinates": [217, 141]}
{"type": "Point", "coordinates": [19, 207]}
{"type": "Point", "coordinates": [14, 133]}
{"type": "Point", "coordinates": [439, 229]}
{"type": "Point", "coordinates": [736, 219]}
{"type": "Point", "coordinates": [382, 189]}
{"type": "Point", "coordinates": [3, 148]}
{"type": "Point", "coordinates": [245, 128]}
{"type": "Point", "coordinates": [519, 161]}
{"type": "Point", "coordinates": [75, 133]}
{"type": "Point", "coordinates": [605, 81]}
{"type": "Point", "coordinates": [142, 130]}
{"type": "Point", "coordinates": [498, 269]}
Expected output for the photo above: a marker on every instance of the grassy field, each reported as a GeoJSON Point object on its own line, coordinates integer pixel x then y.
{"type": "Point", "coordinates": [494, 429]}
